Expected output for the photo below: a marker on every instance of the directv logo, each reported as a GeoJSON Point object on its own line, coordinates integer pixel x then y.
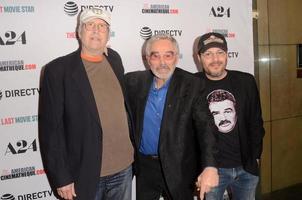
{"type": "Point", "coordinates": [71, 8]}
{"type": "Point", "coordinates": [30, 196]}
{"type": "Point", "coordinates": [7, 197]}
{"type": "Point", "coordinates": [146, 33]}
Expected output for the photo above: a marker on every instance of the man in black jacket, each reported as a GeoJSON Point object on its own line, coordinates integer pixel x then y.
{"type": "Point", "coordinates": [173, 127]}
{"type": "Point", "coordinates": [84, 127]}
{"type": "Point", "coordinates": [234, 102]}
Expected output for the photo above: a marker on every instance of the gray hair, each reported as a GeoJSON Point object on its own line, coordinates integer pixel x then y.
{"type": "Point", "coordinates": [158, 37]}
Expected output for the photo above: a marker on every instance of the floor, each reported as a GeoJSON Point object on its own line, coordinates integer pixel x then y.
{"type": "Point", "coordinates": [290, 193]}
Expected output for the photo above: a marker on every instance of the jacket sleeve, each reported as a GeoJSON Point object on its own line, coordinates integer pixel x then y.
{"type": "Point", "coordinates": [51, 129]}
{"type": "Point", "coordinates": [255, 122]}
{"type": "Point", "coordinates": [205, 130]}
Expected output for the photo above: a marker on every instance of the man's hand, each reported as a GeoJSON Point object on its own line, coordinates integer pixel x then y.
{"type": "Point", "coordinates": [67, 191]}
{"type": "Point", "coordinates": [206, 180]}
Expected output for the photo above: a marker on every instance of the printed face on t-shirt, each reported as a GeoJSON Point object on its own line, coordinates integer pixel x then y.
{"type": "Point", "coordinates": [224, 114]}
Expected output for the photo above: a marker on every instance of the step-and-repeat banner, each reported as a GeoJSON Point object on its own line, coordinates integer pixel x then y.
{"type": "Point", "coordinates": [32, 33]}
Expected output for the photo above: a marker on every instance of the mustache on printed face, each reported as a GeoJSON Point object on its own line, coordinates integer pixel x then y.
{"type": "Point", "coordinates": [223, 122]}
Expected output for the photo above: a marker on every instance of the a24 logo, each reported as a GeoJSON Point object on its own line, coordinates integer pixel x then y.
{"type": "Point", "coordinates": [21, 146]}
{"type": "Point", "coordinates": [220, 11]}
{"type": "Point", "coordinates": [11, 38]}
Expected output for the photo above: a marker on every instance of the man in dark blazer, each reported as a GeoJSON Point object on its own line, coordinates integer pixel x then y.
{"type": "Point", "coordinates": [173, 127]}
{"type": "Point", "coordinates": [84, 127]}
{"type": "Point", "coordinates": [234, 102]}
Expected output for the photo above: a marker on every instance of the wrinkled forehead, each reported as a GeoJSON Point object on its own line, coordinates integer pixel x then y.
{"type": "Point", "coordinates": [162, 46]}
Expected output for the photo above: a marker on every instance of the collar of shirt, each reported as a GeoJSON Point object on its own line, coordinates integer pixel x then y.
{"type": "Point", "coordinates": [106, 51]}
{"type": "Point", "coordinates": [152, 118]}
{"type": "Point", "coordinates": [164, 87]}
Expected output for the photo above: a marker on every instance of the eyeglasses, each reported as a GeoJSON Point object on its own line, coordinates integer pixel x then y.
{"type": "Point", "coordinates": [209, 54]}
{"type": "Point", "coordinates": [166, 56]}
{"type": "Point", "coordinates": [99, 27]}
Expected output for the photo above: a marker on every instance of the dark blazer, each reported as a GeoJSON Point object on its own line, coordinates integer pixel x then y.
{"type": "Point", "coordinates": [70, 130]}
{"type": "Point", "coordinates": [250, 123]}
{"type": "Point", "coordinates": [186, 128]}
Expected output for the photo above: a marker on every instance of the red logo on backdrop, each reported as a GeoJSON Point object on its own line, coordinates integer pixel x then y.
{"type": "Point", "coordinates": [16, 65]}
{"type": "Point", "coordinates": [225, 32]}
{"type": "Point", "coordinates": [22, 172]}
{"type": "Point", "coordinates": [159, 9]}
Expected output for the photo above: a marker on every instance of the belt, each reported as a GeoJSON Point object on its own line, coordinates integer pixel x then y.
{"type": "Point", "coordinates": [151, 157]}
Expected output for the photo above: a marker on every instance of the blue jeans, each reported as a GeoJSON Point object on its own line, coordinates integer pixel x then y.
{"type": "Point", "coordinates": [241, 184]}
{"type": "Point", "coordinates": [115, 187]}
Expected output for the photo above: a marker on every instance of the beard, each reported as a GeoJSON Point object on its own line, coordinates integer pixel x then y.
{"type": "Point", "coordinates": [211, 71]}
{"type": "Point", "coordinates": [163, 72]}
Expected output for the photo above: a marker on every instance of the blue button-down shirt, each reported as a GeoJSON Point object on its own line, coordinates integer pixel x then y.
{"type": "Point", "coordinates": [152, 119]}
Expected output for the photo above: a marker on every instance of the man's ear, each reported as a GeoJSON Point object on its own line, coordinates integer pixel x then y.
{"type": "Point", "coordinates": [199, 57]}
{"type": "Point", "coordinates": [148, 59]}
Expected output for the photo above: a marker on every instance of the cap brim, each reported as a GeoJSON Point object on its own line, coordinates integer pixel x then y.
{"type": "Point", "coordinates": [95, 17]}
{"type": "Point", "coordinates": [213, 45]}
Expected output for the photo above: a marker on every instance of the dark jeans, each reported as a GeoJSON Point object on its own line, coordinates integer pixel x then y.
{"type": "Point", "coordinates": [241, 183]}
{"type": "Point", "coordinates": [116, 186]}
{"type": "Point", "coordinates": [150, 183]}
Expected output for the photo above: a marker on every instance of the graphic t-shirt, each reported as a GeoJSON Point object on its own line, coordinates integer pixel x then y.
{"type": "Point", "coordinates": [222, 105]}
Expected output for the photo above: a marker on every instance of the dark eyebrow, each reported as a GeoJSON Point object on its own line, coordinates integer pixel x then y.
{"type": "Point", "coordinates": [215, 112]}
{"type": "Point", "coordinates": [153, 52]}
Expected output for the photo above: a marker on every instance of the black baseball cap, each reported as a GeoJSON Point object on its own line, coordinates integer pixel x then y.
{"type": "Point", "coordinates": [210, 40]}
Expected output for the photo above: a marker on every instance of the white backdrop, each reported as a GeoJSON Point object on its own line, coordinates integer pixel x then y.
{"type": "Point", "coordinates": [32, 33]}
